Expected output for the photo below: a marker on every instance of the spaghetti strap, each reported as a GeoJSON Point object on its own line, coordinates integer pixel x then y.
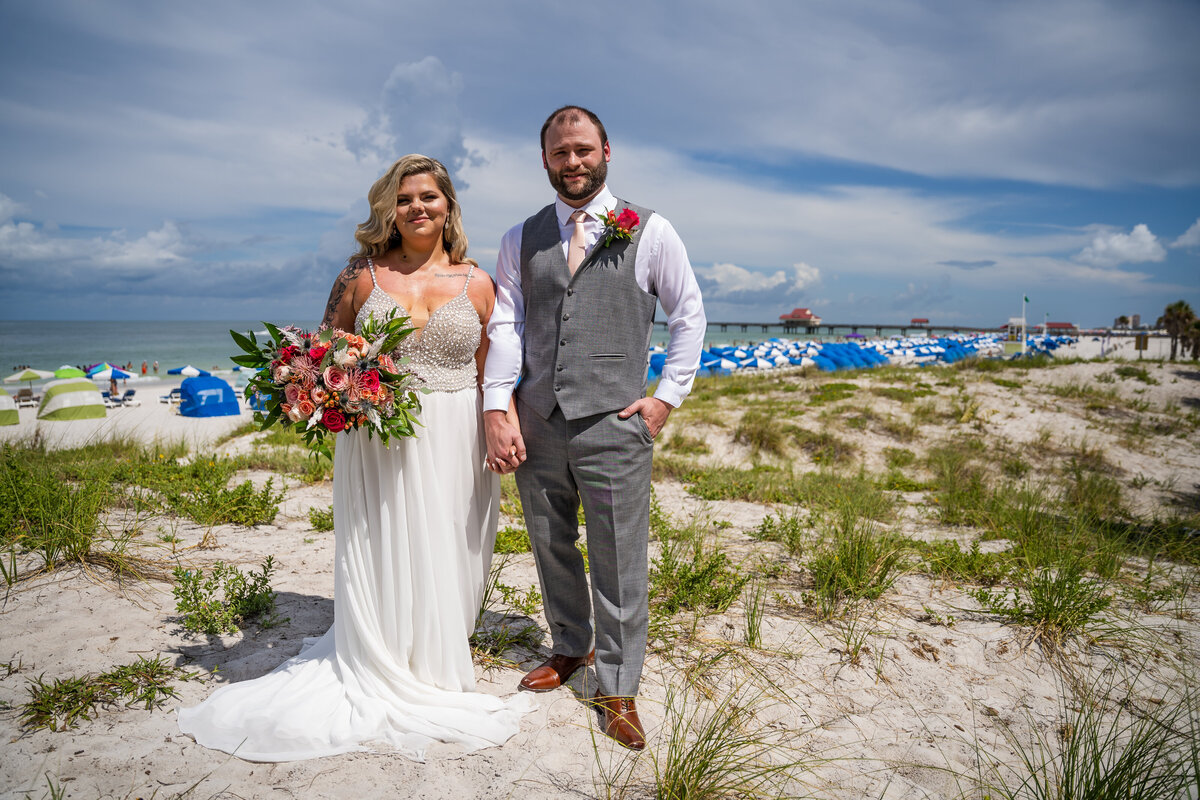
{"type": "Point", "coordinates": [470, 272]}
{"type": "Point", "coordinates": [371, 264]}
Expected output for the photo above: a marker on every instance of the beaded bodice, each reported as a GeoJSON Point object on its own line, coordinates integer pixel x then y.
{"type": "Point", "coordinates": [442, 354]}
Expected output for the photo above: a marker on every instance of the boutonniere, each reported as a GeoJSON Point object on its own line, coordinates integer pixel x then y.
{"type": "Point", "coordinates": [618, 226]}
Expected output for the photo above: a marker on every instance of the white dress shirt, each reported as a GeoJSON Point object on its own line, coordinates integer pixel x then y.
{"type": "Point", "coordinates": [661, 268]}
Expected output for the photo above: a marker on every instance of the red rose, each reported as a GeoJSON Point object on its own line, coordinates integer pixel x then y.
{"type": "Point", "coordinates": [286, 354]}
{"type": "Point", "coordinates": [368, 381]}
{"type": "Point", "coordinates": [317, 353]}
{"type": "Point", "coordinates": [334, 420]}
{"type": "Point", "coordinates": [628, 219]}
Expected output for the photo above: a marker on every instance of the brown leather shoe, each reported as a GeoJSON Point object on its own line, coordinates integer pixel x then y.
{"type": "Point", "coordinates": [621, 721]}
{"type": "Point", "coordinates": [554, 672]}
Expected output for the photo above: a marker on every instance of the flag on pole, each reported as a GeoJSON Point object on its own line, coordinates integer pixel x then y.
{"type": "Point", "coordinates": [1026, 298]}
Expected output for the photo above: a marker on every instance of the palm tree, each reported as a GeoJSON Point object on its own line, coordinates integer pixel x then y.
{"type": "Point", "coordinates": [1122, 322]}
{"type": "Point", "coordinates": [1177, 319]}
{"type": "Point", "coordinates": [1195, 337]}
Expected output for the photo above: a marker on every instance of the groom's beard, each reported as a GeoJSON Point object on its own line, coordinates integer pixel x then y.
{"type": "Point", "coordinates": [595, 178]}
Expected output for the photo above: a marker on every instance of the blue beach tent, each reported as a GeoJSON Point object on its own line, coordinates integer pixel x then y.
{"type": "Point", "coordinates": [206, 396]}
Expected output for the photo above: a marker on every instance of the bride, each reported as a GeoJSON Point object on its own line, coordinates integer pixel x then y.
{"type": "Point", "coordinates": [414, 522]}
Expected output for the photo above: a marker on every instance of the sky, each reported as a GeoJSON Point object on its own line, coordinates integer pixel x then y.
{"type": "Point", "coordinates": [873, 161]}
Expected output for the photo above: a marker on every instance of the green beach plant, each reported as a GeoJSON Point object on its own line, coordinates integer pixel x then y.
{"type": "Point", "coordinates": [61, 704]}
{"type": "Point", "coordinates": [242, 597]}
{"type": "Point", "coordinates": [321, 519]}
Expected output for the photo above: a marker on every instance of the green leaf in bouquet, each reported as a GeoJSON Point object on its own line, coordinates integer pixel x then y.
{"type": "Point", "coordinates": [247, 361]}
{"type": "Point", "coordinates": [276, 334]}
{"type": "Point", "coordinates": [249, 345]}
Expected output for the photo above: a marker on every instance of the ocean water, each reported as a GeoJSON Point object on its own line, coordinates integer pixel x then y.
{"type": "Point", "coordinates": [49, 345]}
{"type": "Point", "coordinates": [204, 344]}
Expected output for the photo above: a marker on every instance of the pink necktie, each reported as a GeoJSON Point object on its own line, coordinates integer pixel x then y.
{"type": "Point", "coordinates": [577, 247]}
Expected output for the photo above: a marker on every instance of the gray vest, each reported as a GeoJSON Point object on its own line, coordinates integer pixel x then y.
{"type": "Point", "coordinates": [587, 334]}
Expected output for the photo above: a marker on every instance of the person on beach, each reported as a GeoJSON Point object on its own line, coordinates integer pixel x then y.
{"type": "Point", "coordinates": [574, 310]}
{"type": "Point", "coordinates": [155, 367]}
{"type": "Point", "coordinates": [414, 521]}
{"type": "Point", "coordinates": [113, 391]}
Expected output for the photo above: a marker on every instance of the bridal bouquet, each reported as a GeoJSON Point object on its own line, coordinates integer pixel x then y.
{"type": "Point", "coordinates": [329, 381]}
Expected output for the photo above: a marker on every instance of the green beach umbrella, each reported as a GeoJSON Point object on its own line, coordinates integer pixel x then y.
{"type": "Point", "coordinates": [28, 375]}
{"type": "Point", "coordinates": [67, 371]}
{"type": "Point", "coordinates": [8, 409]}
{"type": "Point", "coordinates": [71, 398]}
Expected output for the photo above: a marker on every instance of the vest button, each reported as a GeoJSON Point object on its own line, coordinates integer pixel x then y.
{"type": "Point", "coordinates": [566, 317]}
{"type": "Point", "coordinates": [559, 368]}
{"type": "Point", "coordinates": [557, 388]}
{"type": "Point", "coordinates": [570, 292]}
{"type": "Point", "coordinates": [562, 343]}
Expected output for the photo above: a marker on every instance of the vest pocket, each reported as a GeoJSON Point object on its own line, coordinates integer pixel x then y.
{"type": "Point", "coordinates": [606, 355]}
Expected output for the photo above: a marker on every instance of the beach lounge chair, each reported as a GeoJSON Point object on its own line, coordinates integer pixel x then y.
{"type": "Point", "coordinates": [128, 398]}
{"type": "Point", "coordinates": [25, 398]}
{"type": "Point", "coordinates": [172, 398]}
{"type": "Point", "coordinates": [110, 401]}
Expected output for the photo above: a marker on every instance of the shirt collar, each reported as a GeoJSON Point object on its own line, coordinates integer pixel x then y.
{"type": "Point", "coordinates": [604, 201]}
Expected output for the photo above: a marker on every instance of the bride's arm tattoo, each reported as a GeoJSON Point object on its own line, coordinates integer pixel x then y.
{"type": "Point", "coordinates": [338, 293]}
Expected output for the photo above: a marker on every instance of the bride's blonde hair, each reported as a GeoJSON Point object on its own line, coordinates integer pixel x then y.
{"type": "Point", "coordinates": [378, 234]}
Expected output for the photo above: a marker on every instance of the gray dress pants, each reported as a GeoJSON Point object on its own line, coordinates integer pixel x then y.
{"type": "Point", "coordinates": [604, 462]}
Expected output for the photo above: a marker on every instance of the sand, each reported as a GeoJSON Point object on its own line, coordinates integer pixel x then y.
{"type": "Point", "coordinates": [927, 708]}
{"type": "Point", "coordinates": [147, 422]}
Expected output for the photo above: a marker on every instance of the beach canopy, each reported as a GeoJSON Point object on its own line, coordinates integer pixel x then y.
{"type": "Point", "coordinates": [67, 371]}
{"type": "Point", "coordinates": [71, 398]}
{"type": "Point", "coordinates": [28, 375]}
{"type": "Point", "coordinates": [188, 371]}
{"type": "Point", "coordinates": [8, 409]}
{"type": "Point", "coordinates": [106, 371]}
{"type": "Point", "coordinates": [206, 396]}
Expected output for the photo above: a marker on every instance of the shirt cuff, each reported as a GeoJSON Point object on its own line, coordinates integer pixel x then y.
{"type": "Point", "coordinates": [496, 399]}
{"type": "Point", "coordinates": [670, 393]}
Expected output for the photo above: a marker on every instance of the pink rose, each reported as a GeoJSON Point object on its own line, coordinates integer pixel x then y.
{"type": "Point", "coordinates": [333, 420]}
{"type": "Point", "coordinates": [319, 395]}
{"type": "Point", "coordinates": [336, 379]}
{"type": "Point", "coordinates": [386, 363]}
{"type": "Point", "coordinates": [291, 393]}
{"type": "Point", "coordinates": [306, 408]}
{"type": "Point", "coordinates": [368, 381]}
{"type": "Point", "coordinates": [282, 373]}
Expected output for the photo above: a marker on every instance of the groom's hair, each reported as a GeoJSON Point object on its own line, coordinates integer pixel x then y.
{"type": "Point", "coordinates": [573, 114]}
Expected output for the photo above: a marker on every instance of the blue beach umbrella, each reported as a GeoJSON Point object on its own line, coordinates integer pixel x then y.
{"type": "Point", "coordinates": [106, 371]}
{"type": "Point", "coordinates": [188, 371]}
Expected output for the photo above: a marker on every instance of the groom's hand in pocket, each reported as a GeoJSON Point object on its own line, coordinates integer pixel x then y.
{"type": "Point", "coordinates": [653, 410]}
{"type": "Point", "coordinates": [506, 448]}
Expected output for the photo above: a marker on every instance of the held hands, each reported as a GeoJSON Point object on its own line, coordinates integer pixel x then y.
{"type": "Point", "coordinates": [653, 410]}
{"type": "Point", "coordinates": [506, 448]}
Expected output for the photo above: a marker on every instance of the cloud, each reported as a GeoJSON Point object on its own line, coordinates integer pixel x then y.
{"type": "Point", "coordinates": [981, 264]}
{"type": "Point", "coordinates": [923, 294]}
{"type": "Point", "coordinates": [8, 207]}
{"type": "Point", "coordinates": [1111, 249]}
{"type": "Point", "coordinates": [417, 112]}
{"type": "Point", "coordinates": [1190, 237]}
{"type": "Point", "coordinates": [24, 243]}
{"type": "Point", "coordinates": [730, 283]}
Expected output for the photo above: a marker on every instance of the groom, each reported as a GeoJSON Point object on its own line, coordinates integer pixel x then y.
{"type": "Point", "coordinates": [575, 305]}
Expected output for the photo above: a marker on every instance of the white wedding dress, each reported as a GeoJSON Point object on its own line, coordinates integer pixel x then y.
{"type": "Point", "coordinates": [414, 523]}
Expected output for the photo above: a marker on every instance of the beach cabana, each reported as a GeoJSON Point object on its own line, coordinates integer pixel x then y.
{"type": "Point", "coordinates": [8, 409]}
{"type": "Point", "coordinates": [67, 371]}
{"type": "Point", "coordinates": [206, 396]}
{"type": "Point", "coordinates": [71, 398]}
